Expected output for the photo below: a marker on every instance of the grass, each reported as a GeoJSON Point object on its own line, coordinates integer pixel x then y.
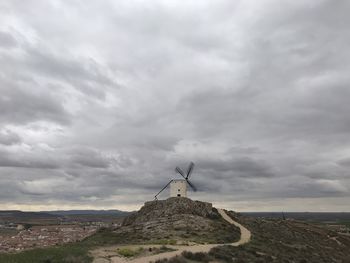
{"type": "Point", "coordinates": [163, 249]}
{"type": "Point", "coordinates": [74, 253]}
{"type": "Point", "coordinates": [164, 242]}
{"type": "Point", "coordinates": [224, 254]}
{"type": "Point", "coordinates": [176, 259]}
{"type": "Point", "coordinates": [345, 223]}
{"type": "Point", "coordinates": [221, 233]}
{"type": "Point", "coordinates": [129, 253]}
{"type": "Point", "coordinates": [199, 256]}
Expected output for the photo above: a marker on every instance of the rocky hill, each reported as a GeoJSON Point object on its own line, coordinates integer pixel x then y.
{"type": "Point", "coordinates": [178, 220]}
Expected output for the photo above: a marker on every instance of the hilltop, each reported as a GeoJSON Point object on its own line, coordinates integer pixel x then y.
{"type": "Point", "coordinates": [178, 219]}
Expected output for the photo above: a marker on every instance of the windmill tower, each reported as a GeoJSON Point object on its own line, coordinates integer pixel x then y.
{"type": "Point", "coordinates": [178, 187]}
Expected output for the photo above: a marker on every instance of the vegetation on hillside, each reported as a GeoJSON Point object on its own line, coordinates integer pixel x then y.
{"type": "Point", "coordinates": [275, 240]}
{"type": "Point", "coordinates": [184, 221]}
{"type": "Point", "coordinates": [296, 241]}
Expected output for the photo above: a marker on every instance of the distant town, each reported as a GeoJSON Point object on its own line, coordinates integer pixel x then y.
{"type": "Point", "coordinates": [21, 231]}
{"type": "Point", "coordinates": [44, 236]}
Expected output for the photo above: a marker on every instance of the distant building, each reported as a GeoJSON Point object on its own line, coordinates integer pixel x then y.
{"type": "Point", "coordinates": [178, 188]}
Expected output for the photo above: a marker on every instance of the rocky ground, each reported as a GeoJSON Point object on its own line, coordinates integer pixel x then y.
{"type": "Point", "coordinates": [178, 220]}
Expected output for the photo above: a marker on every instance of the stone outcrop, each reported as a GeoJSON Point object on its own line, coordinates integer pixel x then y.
{"type": "Point", "coordinates": [174, 206]}
{"type": "Point", "coordinates": [178, 218]}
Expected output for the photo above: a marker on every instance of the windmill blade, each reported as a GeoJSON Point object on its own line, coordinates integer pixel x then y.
{"type": "Point", "coordinates": [177, 169]}
{"type": "Point", "coordinates": [155, 197]}
{"type": "Point", "coordinates": [192, 186]}
{"type": "Point", "coordinates": [190, 169]}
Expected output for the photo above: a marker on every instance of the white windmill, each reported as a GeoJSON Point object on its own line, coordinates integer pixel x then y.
{"type": "Point", "coordinates": [178, 187]}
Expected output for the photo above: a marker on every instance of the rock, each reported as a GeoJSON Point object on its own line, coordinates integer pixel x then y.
{"type": "Point", "coordinates": [154, 210]}
{"type": "Point", "coordinates": [176, 218]}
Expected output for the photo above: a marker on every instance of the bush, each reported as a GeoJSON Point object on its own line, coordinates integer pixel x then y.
{"type": "Point", "coordinates": [61, 254]}
{"type": "Point", "coordinates": [199, 256]}
{"type": "Point", "coordinates": [214, 215]}
{"type": "Point", "coordinates": [165, 249]}
{"type": "Point", "coordinates": [165, 242]}
{"type": "Point", "coordinates": [223, 253]}
{"type": "Point", "coordinates": [73, 259]}
{"type": "Point", "coordinates": [128, 253]}
{"type": "Point", "coordinates": [175, 259]}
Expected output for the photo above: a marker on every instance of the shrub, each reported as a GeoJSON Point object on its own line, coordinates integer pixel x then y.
{"type": "Point", "coordinates": [175, 259]}
{"type": "Point", "coordinates": [73, 259]}
{"type": "Point", "coordinates": [166, 242]}
{"type": "Point", "coordinates": [128, 253]}
{"type": "Point", "coordinates": [166, 249]}
{"type": "Point", "coordinates": [223, 253]}
{"type": "Point", "coordinates": [199, 256]}
{"type": "Point", "coordinates": [214, 215]}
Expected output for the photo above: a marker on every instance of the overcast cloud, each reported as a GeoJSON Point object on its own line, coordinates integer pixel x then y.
{"type": "Point", "coordinates": [100, 100]}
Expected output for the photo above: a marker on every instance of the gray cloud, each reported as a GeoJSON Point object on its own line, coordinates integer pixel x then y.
{"type": "Point", "coordinates": [85, 75]}
{"type": "Point", "coordinates": [33, 108]}
{"type": "Point", "coordinates": [19, 105]}
{"type": "Point", "coordinates": [243, 167]}
{"type": "Point", "coordinates": [7, 40]}
{"type": "Point", "coordinates": [28, 160]}
{"type": "Point", "coordinates": [8, 137]}
{"type": "Point", "coordinates": [100, 101]}
{"type": "Point", "coordinates": [88, 158]}
{"type": "Point", "coordinates": [344, 162]}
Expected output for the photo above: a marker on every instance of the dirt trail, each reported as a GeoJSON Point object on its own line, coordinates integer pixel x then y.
{"type": "Point", "coordinates": [245, 233]}
{"type": "Point", "coordinates": [245, 237]}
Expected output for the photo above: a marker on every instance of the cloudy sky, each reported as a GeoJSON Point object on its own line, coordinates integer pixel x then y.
{"type": "Point", "coordinates": [101, 100]}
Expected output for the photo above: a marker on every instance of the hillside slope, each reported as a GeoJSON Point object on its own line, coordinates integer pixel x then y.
{"type": "Point", "coordinates": [178, 219]}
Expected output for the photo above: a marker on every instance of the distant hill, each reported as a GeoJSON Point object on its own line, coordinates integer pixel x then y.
{"type": "Point", "coordinates": [87, 212]}
{"type": "Point", "coordinates": [20, 217]}
{"type": "Point", "coordinates": [309, 216]}
{"type": "Point", "coordinates": [20, 214]}
{"type": "Point", "coordinates": [54, 217]}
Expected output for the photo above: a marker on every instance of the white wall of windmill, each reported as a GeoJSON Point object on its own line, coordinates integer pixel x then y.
{"type": "Point", "coordinates": [178, 188]}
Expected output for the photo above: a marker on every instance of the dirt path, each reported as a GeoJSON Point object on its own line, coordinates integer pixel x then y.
{"type": "Point", "coordinates": [245, 233]}
{"type": "Point", "coordinates": [245, 237]}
